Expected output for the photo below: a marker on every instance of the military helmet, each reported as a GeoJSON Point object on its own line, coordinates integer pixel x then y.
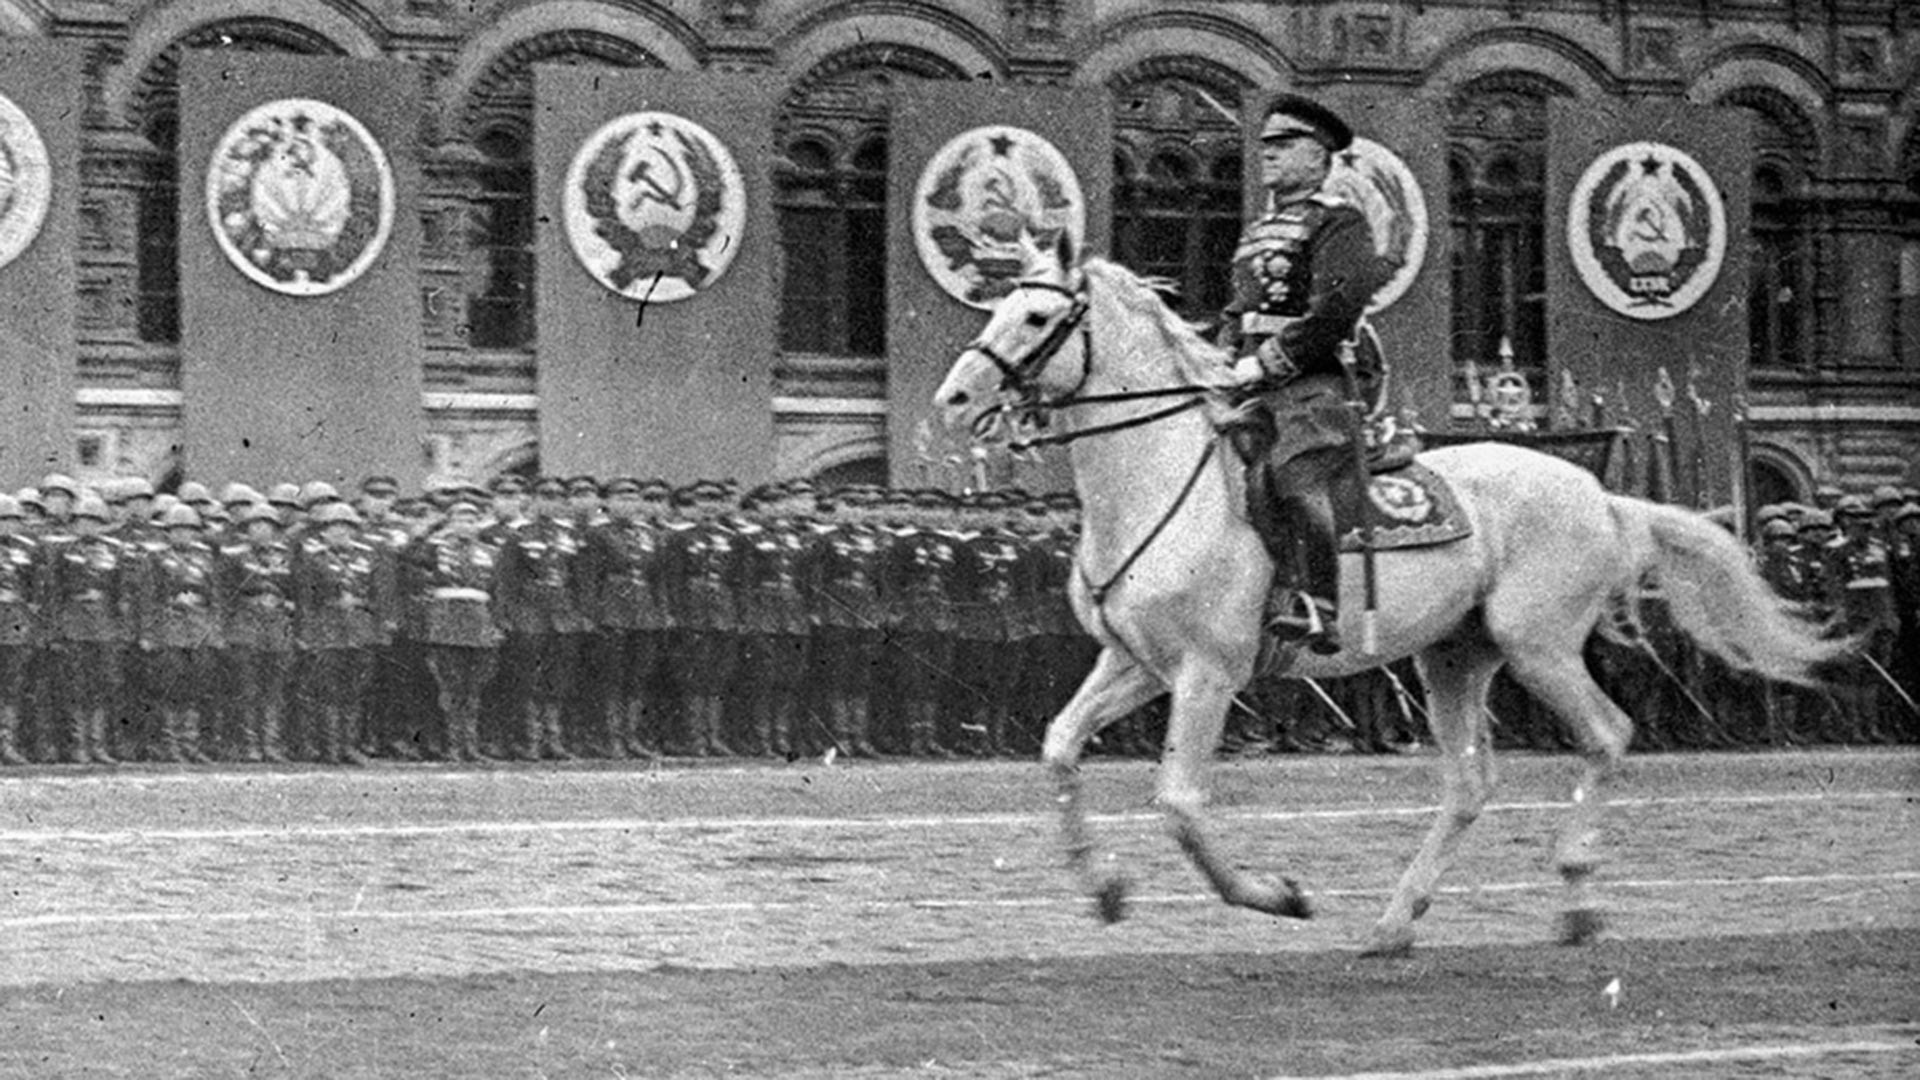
{"type": "Point", "coordinates": [10, 507]}
{"type": "Point", "coordinates": [238, 495]}
{"type": "Point", "coordinates": [258, 511]}
{"type": "Point", "coordinates": [316, 492]}
{"type": "Point", "coordinates": [1852, 506]}
{"type": "Point", "coordinates": [1769, 513]}
{"type": "Point", "coordinates": [60, 483]}
{"type": "Point", "coordinates": [1816, 519]}
{"type": "Point", "coordinates": [1778, 527]}
{"type": "Point", "coordinates": [30, 496]}
{"type": "Point", "coordinates": [183, 516]}
{"type": "Point", "coordinates": [335, 513]}
{"type": "Point", "coordinates": [284, 495]}
{"type": "Point", "coordinates": [193, 491]}
{"type": "Point", "coordinates": [1886, 495]}
{"type": "Point", "coordinates": [1907, 510]}
{"type": "Point", "coordinates": [136, 487]}
{"type": "Point", "coordinates": [92, 506]}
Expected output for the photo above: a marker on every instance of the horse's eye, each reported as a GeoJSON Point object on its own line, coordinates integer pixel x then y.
{"type": "Point", "coordinates": [1035, 319]}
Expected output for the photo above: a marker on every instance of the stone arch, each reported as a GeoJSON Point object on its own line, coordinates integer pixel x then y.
{"type": "Point", "coordinates": [16, 21]}
{"type": "Point", "coordinates": [582, 26]}
{"type": "Point", "coordinates": [1787, 463]}
{"type": "Point", "coordinates": [1524, 49]}
{"type": "Point", "coordinates": [922, 34]}
{"type": "Point", "coordinates": [502, 92]}
{"type": "Point", "coordinates": [1190, 42]}
{"type": "Point", "coordinates": [152, 59]}
{"type": "Point", "coordinates": [1752, 65]}
{"type": "Point", "coordinates": [867, 449]}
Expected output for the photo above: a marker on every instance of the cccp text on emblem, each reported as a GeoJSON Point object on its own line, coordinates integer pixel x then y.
{"type": "Point", "coordinates": [654, 206]}
{"type": "Point", "coordinates": [980, 197]}
{"type": "Point", "coordinates": [1647, 229]}
{"type": "Point", "coordinates": [300, 196]}
{"type": "Point", "coordinates": [26, 183]}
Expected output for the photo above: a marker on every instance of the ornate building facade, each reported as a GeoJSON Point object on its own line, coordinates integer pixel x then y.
{"type": "Point", "coordinates": [1829, 248]}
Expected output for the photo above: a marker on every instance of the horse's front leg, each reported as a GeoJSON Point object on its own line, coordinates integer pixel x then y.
{"type": "Point", "coordinates": [1200, 700]}
{"type": "Point", "coordinates": [1115, 687]}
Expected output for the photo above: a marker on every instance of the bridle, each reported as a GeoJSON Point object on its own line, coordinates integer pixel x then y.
{"type": "Point", "coordinates": [1018, 375]}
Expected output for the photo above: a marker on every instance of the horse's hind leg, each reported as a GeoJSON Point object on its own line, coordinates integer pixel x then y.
{"type": "Point", "coordinates": [1557, 675]}
{"type": "Point", "coordinates": [1456, 675]}
{"type": "Point", "coordinates": [1116, 686]}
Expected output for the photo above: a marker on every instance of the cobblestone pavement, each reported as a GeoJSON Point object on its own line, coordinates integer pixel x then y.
{"type": "Point", "coordinates": [295, 875]}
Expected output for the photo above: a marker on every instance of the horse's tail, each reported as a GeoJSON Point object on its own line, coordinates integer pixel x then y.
{"type": "Point", "coordinates": [1713, 592]}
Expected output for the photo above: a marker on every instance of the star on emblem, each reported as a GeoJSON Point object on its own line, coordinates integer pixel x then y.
{"type": "Point", "coordinates": [1002, 145]}
{"type": "Point", "coordinates": [1650, 164]}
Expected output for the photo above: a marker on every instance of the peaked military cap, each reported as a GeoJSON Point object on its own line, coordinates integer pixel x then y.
{"type": "Point", "coordinates": [193, 491]}
{"type": "Point", "coordinates": [504, 484]}
{"type": "Point", "coordinates": [183, 516]}
{"type": "Point", "coordinates": [656, 489]}
{"type": "Point", "coordinates": [380, 486]}
{"type": "Point", "coordinates": [1777, 527]}
{"type": "Point", "coordinates": [549, 485]}
{"type": "Point", "coordinates": [136, 487]}
{"type": "Point", "coordinates": [10, 507]}
{"type": "Point", "coordinates": [284, 495]}
{"type": "Point", "coordinates": [582, 485]}
{"type": "Point", "coordinates": [238, 495]}
{"type": "Point", "coordinates": [1907, 510]}
{"type": "Point", "coordinates": [91, 506]}
{"type": "Point", "coordinates": [30, 496]}
{"type": "Point", "coordinates": [622, 485]}
{"type": "Point", "coordinates": [1816, 519]}
{"type": "Point", "coordinates": [1290, 113]}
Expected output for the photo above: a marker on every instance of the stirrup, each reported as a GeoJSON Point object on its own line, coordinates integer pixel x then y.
{"type": "Point", "coordinates": [1309, 620]}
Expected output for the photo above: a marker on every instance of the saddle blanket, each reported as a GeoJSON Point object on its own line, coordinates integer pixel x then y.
{"type": "Point", "coordinates": [1408, 507]}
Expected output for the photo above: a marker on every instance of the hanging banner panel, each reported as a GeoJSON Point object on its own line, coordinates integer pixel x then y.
{"type": "Point", "coordinates": [40, 107]}
{"type": "Point", "coordinates": [300, 344]}
{"type": "Point", "coordinates": [1647, 208]}
{"type": "Point", "coordinates": [971, 165]}
{"type": "Point", "coordinates": [657, 303]}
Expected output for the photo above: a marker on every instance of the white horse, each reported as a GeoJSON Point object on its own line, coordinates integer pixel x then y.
{"type": "Point", "coordinates": [1172, 581]}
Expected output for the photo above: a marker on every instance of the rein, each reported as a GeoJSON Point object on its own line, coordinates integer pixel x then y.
{"type": "Point", "coordinates": [1099, 592]}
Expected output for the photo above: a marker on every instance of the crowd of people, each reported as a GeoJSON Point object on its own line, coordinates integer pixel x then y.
{"type": "Point", "coordinates": [563, 618]}
{"type": "Point", "coordinates": [553, 618]}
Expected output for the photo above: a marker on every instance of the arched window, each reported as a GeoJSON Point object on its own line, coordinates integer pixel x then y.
{"type": "Point", "coordinates": [498, 122]}
{"type": "Point", "coordinates": [500, 307]}
{"type": "Point", "coordinates": [1780, 293]}
{"type": "Point", "coordinates": [1178, 181]}
{"type": "Point", "coordinates": [157, 109]}
{"type": "Point", "coordinates": [830, 194]}
{"type": "Point", "coordinates": [1497, 179]}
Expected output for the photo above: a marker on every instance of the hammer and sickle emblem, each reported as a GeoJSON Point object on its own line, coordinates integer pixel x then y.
{"type": "Point", "coordinates": [651, 189]}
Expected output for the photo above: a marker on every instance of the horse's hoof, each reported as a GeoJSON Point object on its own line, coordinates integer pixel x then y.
{"type": "Point", "coordinates": [1580, 926]}
{"type": "Point", "coordinates": [1110, 900]}
{"type": "Point", "coordinates": [1293, 901]}
{"type": "Point", "coordinates": [1389, 943]}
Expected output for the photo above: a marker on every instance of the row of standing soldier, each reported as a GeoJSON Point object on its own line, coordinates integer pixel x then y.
{"type": "Point", "coordinates": [633, 619]}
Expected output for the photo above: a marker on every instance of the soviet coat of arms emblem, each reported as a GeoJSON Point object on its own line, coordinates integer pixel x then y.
{"type": "Point", "coordinates": [300, 196]}
{"type": "Point", "coordinates": [654, 206]}
{"type": "Point", "coordinates": [1375, 181]}
{"type": "Point", "coordinates": [976, 198]}
{"type": "Point", "coordinates": [26, 182]}
{"type": "Point", "coordinates": [1647, 230]}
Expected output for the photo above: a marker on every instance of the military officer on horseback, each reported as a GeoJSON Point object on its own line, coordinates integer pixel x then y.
{"type": "Point", "coordinates": [1303, 273]}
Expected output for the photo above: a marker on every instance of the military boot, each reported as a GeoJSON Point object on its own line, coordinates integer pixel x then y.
{"type": "Point", "coordinates": [713, 711]}
{"type": "Point", "coordinates": [641, 740]}
{"type": "Point", "coordinates": [553, 743]}
{"type": "Point", "coordinates": [97, 726]}
{"type": "Point", "coordinates": [9, 736]}
{"type": "Point", "coordinates": [190, 747]}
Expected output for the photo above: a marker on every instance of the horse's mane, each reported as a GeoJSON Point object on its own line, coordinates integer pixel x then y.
{"type": "Point", "coordinates": [1198, 360]}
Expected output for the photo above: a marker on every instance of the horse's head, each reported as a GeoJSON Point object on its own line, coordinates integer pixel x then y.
{"type": "Point", "coordinates": [1027, 347]}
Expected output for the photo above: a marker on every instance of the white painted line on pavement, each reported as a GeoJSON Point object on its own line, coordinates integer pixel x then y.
{"type": "Point", "coordinates": [1608, 1062]}
{"type": "Point", "coordinates": [913, 822]}
{"type": "Point", "coordinates": [565, 911]}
